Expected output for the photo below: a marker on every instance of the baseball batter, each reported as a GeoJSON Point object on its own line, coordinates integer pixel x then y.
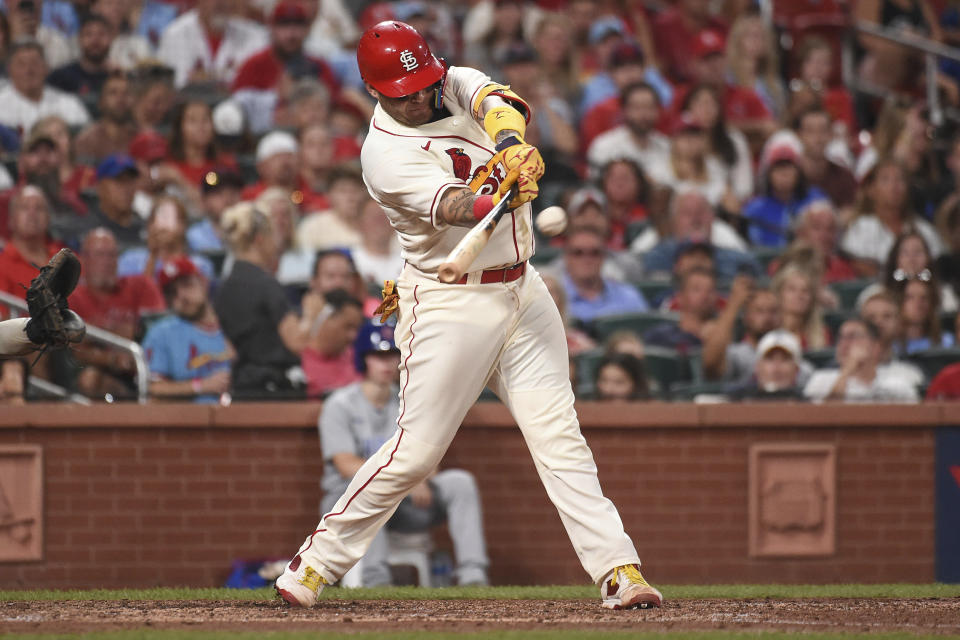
{"type": "Point", "coordinates": [432, 133]}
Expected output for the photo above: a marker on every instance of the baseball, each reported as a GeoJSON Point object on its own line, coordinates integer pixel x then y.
{"type": "Point", "coordinates": [552, 221]}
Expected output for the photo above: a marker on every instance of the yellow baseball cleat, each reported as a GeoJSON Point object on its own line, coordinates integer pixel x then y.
{"type": "Point", "coordinates": [625, 588]}
{"type": "Point", "coordinates": [299, 585]}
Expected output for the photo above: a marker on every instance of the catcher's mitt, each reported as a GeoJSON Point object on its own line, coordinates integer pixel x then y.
{"type": "Point", "coordinates": [52, 324]}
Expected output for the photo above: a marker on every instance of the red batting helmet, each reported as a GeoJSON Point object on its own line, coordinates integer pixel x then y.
{"type": "Point", "coordinates": [396, 61]}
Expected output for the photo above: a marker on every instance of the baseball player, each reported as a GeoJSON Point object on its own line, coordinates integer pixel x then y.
{"type": "Point", "coordinates": [51, 322]}
{"type": "Point", "coordinates": [431, 136]}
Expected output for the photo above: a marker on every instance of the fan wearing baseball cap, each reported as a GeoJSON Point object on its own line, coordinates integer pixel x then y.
{"type": "Point", "coordinates": [776, 373]}
{"type": "Point", "coordinates": [187, 353]}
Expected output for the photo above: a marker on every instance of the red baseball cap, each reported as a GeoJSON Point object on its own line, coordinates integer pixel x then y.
{"type": "Point", "coordinates": [172, 270]}
{"type": "Point", "coordinates": [782, 153]}
{"type": "Point", "coordinates": [148, 146]}
{"type": "Point", "coordinates": [290, 12]}
{"type": "Point", "coordinates": [708, 42]}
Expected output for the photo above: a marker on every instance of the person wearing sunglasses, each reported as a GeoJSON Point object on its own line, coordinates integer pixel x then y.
{"type": "Point", "coordinates": [589, 293]}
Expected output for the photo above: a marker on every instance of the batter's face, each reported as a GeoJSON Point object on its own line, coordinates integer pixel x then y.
{"type": "Point", "coordinates": [412, 110]}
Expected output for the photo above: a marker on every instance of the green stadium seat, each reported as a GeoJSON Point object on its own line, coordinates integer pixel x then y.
{"type": "Point", "coordinates": [848, 291]}
{"type": "Point", "coordinates": [688, 391]}
{"type": "Point", "coordinates": [766, 255]}
{"type": "Point", "coordinates": [545, 254]}
{"type": "Point", "coordinates": [931, 361]}
{"type": "Point", "coordinates": [667, 367]}
{"type": "Point", "coordinates": [833, 320]}
{"type": "Point", "coordinates": [605, 326]}
{"type": "Point", "coordinates": [633, 230]}
{"type": "Point", "coordinates": [653, 290]}
{"type": "Point", "coordinates": [948, 321]}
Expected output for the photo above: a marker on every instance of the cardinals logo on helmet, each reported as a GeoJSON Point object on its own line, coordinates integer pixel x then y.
{"type": "Point", "coordinates": [461, 163]}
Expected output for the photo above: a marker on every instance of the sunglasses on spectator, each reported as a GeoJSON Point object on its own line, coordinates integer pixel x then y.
{"type": "Point", "coordinates": [900, 275]}
{"type": "Point", "coordinates": [579, 253]}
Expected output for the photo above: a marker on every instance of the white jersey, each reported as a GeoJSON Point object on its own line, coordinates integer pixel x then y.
{"type": "Point", "coordinates": [408, 169]}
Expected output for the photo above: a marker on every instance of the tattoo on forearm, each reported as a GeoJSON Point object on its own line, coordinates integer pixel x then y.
{"type": "Point", "coordinates": [456, 208]}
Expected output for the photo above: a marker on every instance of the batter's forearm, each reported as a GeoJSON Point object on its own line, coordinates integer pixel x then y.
{"type": "Point", "coordinates": [456, 208]}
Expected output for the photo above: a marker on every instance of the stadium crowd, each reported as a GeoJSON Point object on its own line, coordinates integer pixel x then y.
{"type": "Point", "coordinates": [742, 224]}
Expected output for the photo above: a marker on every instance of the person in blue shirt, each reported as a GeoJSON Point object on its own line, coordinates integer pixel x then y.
{"type": "Point", "coordinates": [770, 215]}
{"type": "Point", "coordinates": [187, 353]}
{"type": "Point", "coordinates": [166, 237]}
{"type": "Point", "coordinates": [589, 294]}
{"type": "Point", "coordinates": [220, 190]}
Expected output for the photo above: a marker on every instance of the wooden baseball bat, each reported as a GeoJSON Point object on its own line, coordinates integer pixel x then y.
{"type": "Point", "coordinates": [466, 251]}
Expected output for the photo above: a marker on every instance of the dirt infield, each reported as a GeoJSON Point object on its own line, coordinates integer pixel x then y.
{"type": "Point", "coordinates": [927, 616]}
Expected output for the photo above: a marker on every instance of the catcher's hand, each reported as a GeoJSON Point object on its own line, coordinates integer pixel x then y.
{"type": "Point", "coordinates": [524, 167]}
{"type": "Point", "coordinates": [52, 323]}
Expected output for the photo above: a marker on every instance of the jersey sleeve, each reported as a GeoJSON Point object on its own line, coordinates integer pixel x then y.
{"type": "Point", "coordinates": [414, 184]}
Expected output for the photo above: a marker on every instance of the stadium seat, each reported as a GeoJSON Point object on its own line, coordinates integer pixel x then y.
{"type": "Point", "coordinates": [848, 291]}
{"type": "Point", "coordinates": [766, 255]}
{"type": "Point", "coordinates": [833, 320]}
{"type": "Point", "coordinates": [653, 290]}
{"type": "Point", "coordinates": [634, 229]}
{"type": "Point", "coordinates": [667, 367]}
{"type": "Point", "coordinates": [948, 321]}
{"type": "Point", "coordinates": [821, 358]}
{"type": "Point", "coordinates": [545, 254]}
{"type": "Point", "coordinates": [688, 391]}
{"type": "Point", "coordinates": [605, 326]}
{"type": "Point", "coordinates": [931, 361]}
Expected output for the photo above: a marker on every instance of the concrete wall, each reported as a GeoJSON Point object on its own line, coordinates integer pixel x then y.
{"type": "Point", "coordinates": [172, 494]}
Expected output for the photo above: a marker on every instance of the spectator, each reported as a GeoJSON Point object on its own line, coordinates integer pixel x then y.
{"type": "Point", "coordinates": [691, 166]}
{"type": "Point", "coordinates": [948, 264]}
{"type": "Point", "coordinates": [490, 30]}
{"type": "Point", "coordinates": [859, 377]}
{"type": "Point", "coordinates": [620, 377]}
{"type": "Point", "coordinates": [277, 163]}
{"type": "Point", "coordinates": [263, 81]}
{"type": "Point", "coordinates": [187, 352]}
{"type": "Point", "coordinates": [816, 85]}
{"type": "Point", "coordinates": [157, 177]}
{"type": "Point", "coordinates": [220, 190]}
{"type": "Point", "coordinates": [166, 240]}
{"type": "Point", "coordinates": [86, 75]}
{"type": "Point", "coordinates": [776, 374]}
{"type": "Point", "coordinates": [29, 242]}
{"type": "Point", "coordinates": [626, 191]}
{"type": "Point", "coordinates": [816, 231]}
{"type": "Point", "coordinates": [637, 138]}
{"type": "Point", "coordinates": [208, 43]}
{"type": "Point", "coordinates": [310, 104]}
{"type": "Point", "coordinates": [910, 259]}
{"type": "Point", "coordinates": [378, 257]}
{"type": "Point", "coordinates": [691, 220]}
{"type": "Point", "coordinates": [883, 212]}
{"type": "Point", "coordinates": [754, 63]}
{"type": "Point", "coordinates": [153, 95]}
{"type": "Point", "coordinates": [355, 421]}
{"type": "Point", "coordinates": [796, 289]}
{"type": "Point", "coordinates": [552, 40]}
{"type": "Point", "coordinates": [696, 306]}
{"type": "Point", "coordinates": [675, 29]}
{"type": "Point", "coordinates": [107, 301]}
{"type": "Point", "coordinates": [328, 360]}
{"type": "Point", "coordinates": [591, 295]}
{"type": "Point", "coordinates": [882, 309]}
{"type": "Point", "coordinates": [726, 360]}
{"type": "Point", "coordinates": [116, 185]}
{"type": "Point", "coordinates": [39, 165]}
{"type": "Point", "coordinates": [254, 312]}
{"type": "Point", "coordinates": [920, 313]}
{"type": "Point", "coordinates": [27, 98]}
{"type": "Point", "coordinates": [339, 225]}
{"type": "Point", "coordinates": [889, 65]}
{"type": "Point", "coordinates": [114, 130]}
{"type": "Point", "coordinates": [771, 214]}
{"type": "Point", "coordinates": [193, 149]}
{"type": "Point", "coordinates": [813, 127]}
{"type": "Point", "coordinates": [130, 46]}
{"type": "Point", "coordinates": [946, 384]}
{"type": "Point", "coordinates": [577, 341]}
{"type": "Point", "coordinates": [74, 178]}
{"type": "Point", "coordinates": [601, 103]}
{"type": "Point", "coordinates": [296, 264]}
{"type": "Point", "coordinates": [318, 156]}
{"type": "Point", "coordinates": [24, 17]}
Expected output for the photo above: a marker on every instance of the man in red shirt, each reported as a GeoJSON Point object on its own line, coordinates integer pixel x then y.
{"type": "Point", "coordinates": [29, 243]}
{"type": "Point", "coordinates": [112, 303]}
{"type": "Point", "coordinates": [265, 79]}
{"type": "Point", "coordinates": [674, 31]}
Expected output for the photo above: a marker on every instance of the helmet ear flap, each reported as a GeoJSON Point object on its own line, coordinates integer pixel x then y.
{"type": "Point", "coordinates": [438, 96]}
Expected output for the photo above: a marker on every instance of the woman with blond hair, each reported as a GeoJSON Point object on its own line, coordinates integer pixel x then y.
{"type": "Point", "coordinates": [753, 61]}
{"type": "Point", "coordinates": [795, 286]}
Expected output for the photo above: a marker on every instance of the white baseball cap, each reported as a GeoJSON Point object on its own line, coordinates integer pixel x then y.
{"type": "Point", "coordinates": [779, 339]}
{"type": "Point", "coordinates": [276, 142]}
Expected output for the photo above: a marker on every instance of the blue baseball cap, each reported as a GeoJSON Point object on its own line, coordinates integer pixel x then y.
{"type": "Point", "coordinates": [605, 26]}
{"type": "Point", "coordinates": [373, 337]}
{"type": "Point", "coordinates": [115, 165]}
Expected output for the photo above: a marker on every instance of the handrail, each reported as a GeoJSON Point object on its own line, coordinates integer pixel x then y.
{"type": "Point", "coordinates": [105, 337]}
{"type": "Point", "coordinates": [57, 391]}
{"type": "Point", "coordinates": [931, 50]}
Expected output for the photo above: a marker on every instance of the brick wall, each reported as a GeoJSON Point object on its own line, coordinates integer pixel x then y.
{"type": "Point", "coordinates": [170, 495]}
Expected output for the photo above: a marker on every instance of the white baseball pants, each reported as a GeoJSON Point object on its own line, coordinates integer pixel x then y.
{"type": "Point", "coordinates": [453, 340]}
